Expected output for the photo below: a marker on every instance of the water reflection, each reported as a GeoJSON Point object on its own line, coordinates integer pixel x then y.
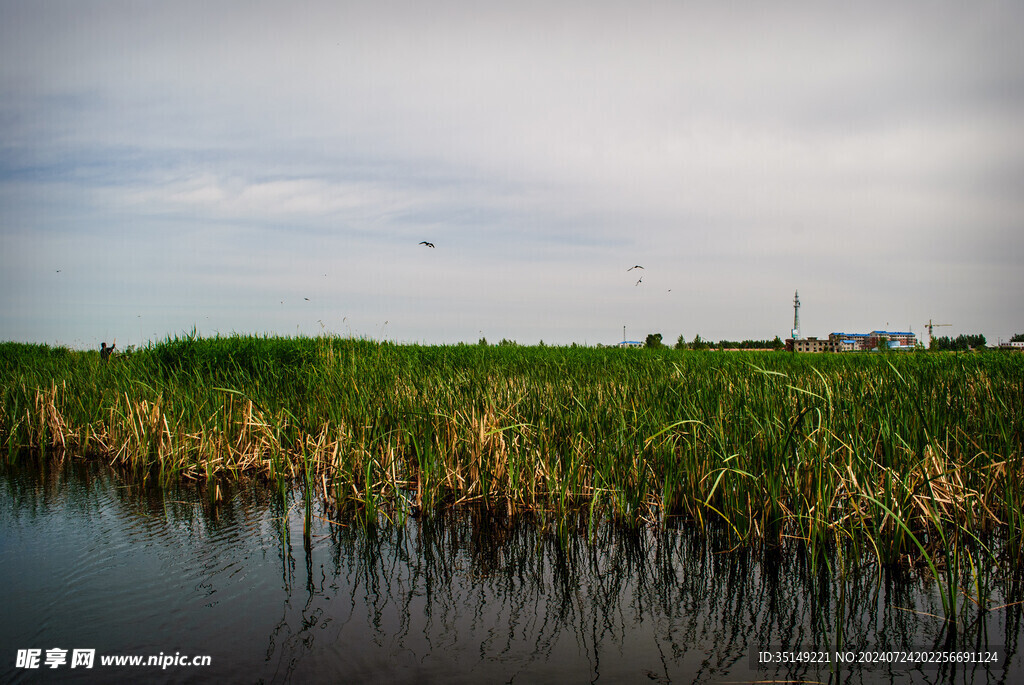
{"type": "Point", "coordinates": [92, 560]}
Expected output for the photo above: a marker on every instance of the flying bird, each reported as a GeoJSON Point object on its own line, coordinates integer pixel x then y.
{"type": "Point", "coordinates": [634, 267]}
{"type": "Point", "coordinates": [306, 299]}
{"type": "Point", "coordinates": [424, 242]}
{"type": "Point", "coordinates": [638, 282]}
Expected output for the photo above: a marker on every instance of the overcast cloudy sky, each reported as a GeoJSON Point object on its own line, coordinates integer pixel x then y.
{"type": "Point", "coordinates": [213, 164]}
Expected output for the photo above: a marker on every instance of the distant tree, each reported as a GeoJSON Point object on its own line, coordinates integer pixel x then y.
{"type": "Point", "coordinates": [1019, 337]}
{"type": "Point", "coordinates": [960, 343]}
{"type": "Point", "coordinates": [777, 344]}
{"type": "Point", "coordinates": [748, 344]}
{"type": "Point", "coordinates": [698, 344]}
{"type": "Point", "coordinates": [482, 342]}
{"type": "Point", "coordinates": [653, 340]}
{"type": "Point", "coordinates": [681, 342]}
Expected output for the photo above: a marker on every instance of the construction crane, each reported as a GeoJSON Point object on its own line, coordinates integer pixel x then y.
{"type": "Point", "coordinates": [930, 326]}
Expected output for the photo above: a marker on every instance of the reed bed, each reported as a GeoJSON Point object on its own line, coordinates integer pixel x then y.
{"type": "Point", "coordinates": [912, 457]}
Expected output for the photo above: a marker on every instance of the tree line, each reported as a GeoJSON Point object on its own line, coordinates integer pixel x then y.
{"type": "Point", "coordinates": [960, 343]}
{"type": "Point", "coordinates": [654, 340]}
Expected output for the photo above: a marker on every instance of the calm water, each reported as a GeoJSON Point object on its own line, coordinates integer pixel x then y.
{"type": "Point", "coordinates": [91, 561]}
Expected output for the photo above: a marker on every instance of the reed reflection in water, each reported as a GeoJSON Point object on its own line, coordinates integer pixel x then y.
{"type": "Point", "coordinates": [469, 595]}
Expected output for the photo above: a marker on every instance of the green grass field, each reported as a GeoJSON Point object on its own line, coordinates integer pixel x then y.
{"type": "Point", "coordinates": [903, 454]}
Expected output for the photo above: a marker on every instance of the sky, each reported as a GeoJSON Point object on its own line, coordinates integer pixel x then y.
{"type": "Point", "coordinates": [271, 168]}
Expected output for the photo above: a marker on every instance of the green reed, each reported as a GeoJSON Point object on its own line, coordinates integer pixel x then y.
{"type": "Point", "coordinates": [904, 455]}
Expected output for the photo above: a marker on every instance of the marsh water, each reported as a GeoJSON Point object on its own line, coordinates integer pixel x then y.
{"type": "Point", "coordinates": [91, 560]}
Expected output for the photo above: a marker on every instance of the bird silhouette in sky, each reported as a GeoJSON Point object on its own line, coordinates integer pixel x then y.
{"type": "Point", "coordinates": [638, 282]}
{"type": "Point", "coordinates": [424, 242]}
{"type": "Point", "coordinates": [306, 299]}
{"type": "Point", "coordinates": [634, 267]}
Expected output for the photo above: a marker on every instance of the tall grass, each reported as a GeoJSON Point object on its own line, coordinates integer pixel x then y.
{"type": "Point", "coordinates": [908, 457]}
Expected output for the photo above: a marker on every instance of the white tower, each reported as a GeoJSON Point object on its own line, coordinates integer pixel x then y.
{"type": "Point", "coordinates": [796, 315]}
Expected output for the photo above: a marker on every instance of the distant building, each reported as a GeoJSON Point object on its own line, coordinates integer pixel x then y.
{"type": "Point", "coordinates": [852, 342]}
{"type": "Point", "coordinates": [815, 345]}
{"type": "Point", "coordinates": [808, 345]}
{"type": "Point", "coordinates": [630, 343]}
{"type": "Point", "coordinates": [1019, 346]}
{"type": "Point", "coordinates": [868, 341]}
{"type": "Point", "coordinates": [903, 340]}
{"type": "Point", "coordinates": [847, 342]}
